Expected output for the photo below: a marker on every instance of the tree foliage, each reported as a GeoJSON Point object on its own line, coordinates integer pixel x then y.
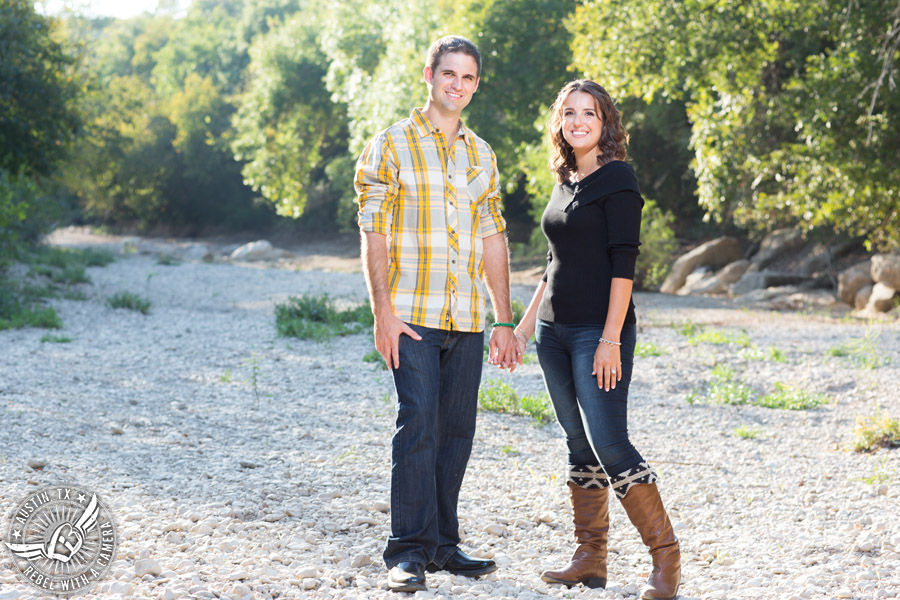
{"type": "Point", "coordinates": [792, 104]}
{"type": "Point", "coordinates": [37, 91]}
{"type": "Point", "coordinates": [286, 125]}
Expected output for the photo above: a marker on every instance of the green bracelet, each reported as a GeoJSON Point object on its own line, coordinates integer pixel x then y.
{"type": "Point", "coordinates": [504, 325]}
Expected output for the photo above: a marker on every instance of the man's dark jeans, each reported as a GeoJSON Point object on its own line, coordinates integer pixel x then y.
{"type": "Point", "coordinates": [437, 390]}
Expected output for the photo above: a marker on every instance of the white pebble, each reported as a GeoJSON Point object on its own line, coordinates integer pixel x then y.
{"type": "Point", "coordinates": [146, 566]}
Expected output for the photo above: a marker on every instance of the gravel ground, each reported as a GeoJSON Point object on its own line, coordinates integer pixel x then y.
{"type": "Point", "coordinates": [243, 465]}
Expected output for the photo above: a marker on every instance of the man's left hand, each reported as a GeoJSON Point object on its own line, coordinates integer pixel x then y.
{"type": "Point", "coordinates": [503, 349]}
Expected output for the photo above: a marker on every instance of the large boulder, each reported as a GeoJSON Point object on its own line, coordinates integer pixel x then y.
{"type": "Point", "coordinates": [882, 298]}
{"type": "Point", "coordinates": [733, 271]}
{"type": "Point", "coordinates": [195, 251]}
{"type": "Point", "coordinates": [702, 281]}
{"type": "Point", "coordinates": [755, 280]}
{"type": "Point", "coordinates": [715, 253]}
{"type": "Point", "coordinates": [886, 270]}
{"type": "Point", "coordinates": [862, 297]}
{"type": "Point", "coordinates": [775, 245]}
{"type": "Point", "coordinates": [260, 250]}
{"type": "Point", "coordinates": [851, 280]}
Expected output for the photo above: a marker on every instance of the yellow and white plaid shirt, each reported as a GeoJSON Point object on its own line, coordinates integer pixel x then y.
{"type": "Point", "coordinates": [435, 206]}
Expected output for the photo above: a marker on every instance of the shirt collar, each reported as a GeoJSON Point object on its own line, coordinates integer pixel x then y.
{"type": "Point", "coordinates": [425, 127]}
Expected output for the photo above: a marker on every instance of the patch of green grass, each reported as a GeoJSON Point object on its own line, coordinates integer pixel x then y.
{"type": "Point", "coordinates": [316, 318]}
{"type": "Point", "coordinates": [60, 258]}
{"type": "Point", "coordinates": [748, 432]}
{"type": "Point", "coordinates": [720, 337]}
{"type": "Point", "coordinates": [645, 350]}
{"type": "Point", "coordinates": [880, 473]}
{"type": "Point", "coordinates": [863, 351]}
{"type": "Point", "coordinates": [497, 396]}
{"type": "Point", "coordinates": [70, 274]}
{"type": "Point", "coordinates": [55, 339]}
{"type": "Point", "coordinates": [757, 354]}
{"type": "Point", "coordinates": [539, 408]}
{"type": "Point", "coordinates": [724, 388]}
{"type": "Point", "coordinates": [792, 398]}
{"type": "Point", "coordinates": [18, 316]}
{"type": "Point", "coordinates": [528, 358]}
{"type": "Point", "coordinates": [876, 431]}
{"type": "Point", "coordinates": [130, 301]}
{"type": "Point", "coordinates": [518, 312]}
{"type": "Point", "coordinates": [52, 273]}
{"type": "Point", "coordinates": [167, 260]}
{"type": "Point", "coordinates": [374, 356]}
{"type": "Point", "coordinates": [689, 329]}
{"type": "Point", "coordinates": [509, 450]}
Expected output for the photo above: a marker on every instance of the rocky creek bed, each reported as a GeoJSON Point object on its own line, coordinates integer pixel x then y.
{"type": "Point", "coordinates": [239, 464]}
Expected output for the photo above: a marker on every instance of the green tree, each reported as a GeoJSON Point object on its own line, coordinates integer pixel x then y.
{"type": "Point", "coordinates": [288, 129]}
{"type": "Point", "coordinates": [38, 92]}
{"type": "Point", "coordinates": [787, 127]}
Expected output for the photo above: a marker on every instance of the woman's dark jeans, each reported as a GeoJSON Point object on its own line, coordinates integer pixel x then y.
{"type": "Point", "coordinates": [595, 421]}
{"type": "Point", "coordinates": [437, 391]}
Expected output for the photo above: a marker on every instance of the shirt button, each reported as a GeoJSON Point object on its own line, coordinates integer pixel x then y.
{"type": "Point", "coordinates": [453, 261]}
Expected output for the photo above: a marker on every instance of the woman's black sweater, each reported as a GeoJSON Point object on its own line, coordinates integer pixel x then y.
{"type": "Point", "coordinates": [593, 229]}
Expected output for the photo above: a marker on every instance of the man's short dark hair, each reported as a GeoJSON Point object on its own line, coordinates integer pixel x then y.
{"type": "Point", "coordinates": [452, 43]}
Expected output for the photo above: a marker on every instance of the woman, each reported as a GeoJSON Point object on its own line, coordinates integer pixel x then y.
{"type": "Point", "coordinates": [582, 316]}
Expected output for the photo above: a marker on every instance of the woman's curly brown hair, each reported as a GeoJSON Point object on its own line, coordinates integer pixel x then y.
{"type": "Point", "coordinates": [613, 138]}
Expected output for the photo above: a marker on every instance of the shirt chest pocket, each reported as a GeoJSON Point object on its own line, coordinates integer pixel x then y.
{"type": "Point", "coordinates": [478, 183]}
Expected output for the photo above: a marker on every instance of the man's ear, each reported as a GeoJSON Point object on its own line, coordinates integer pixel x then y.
{"type": "Point", "coordinates": [427, 74]}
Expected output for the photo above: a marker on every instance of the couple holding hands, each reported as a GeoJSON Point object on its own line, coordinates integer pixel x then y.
{"type": "Point", "coordinates": [432, 240]}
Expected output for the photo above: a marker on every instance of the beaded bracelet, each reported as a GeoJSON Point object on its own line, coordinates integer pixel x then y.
{"type": "Point", "coordinates": [503, 325]}
{"type": "Point", "coordinates": [610, 342]}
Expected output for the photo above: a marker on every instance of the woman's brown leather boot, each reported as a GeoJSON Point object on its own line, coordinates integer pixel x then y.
{"type": "Point", "coordinates": [591, 518]}
{"type": "Point", "coordinates": [645, 510]}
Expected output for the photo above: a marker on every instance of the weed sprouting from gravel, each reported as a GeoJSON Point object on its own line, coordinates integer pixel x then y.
{"type": "Point", "coordinates": [500, 397]}
{"type": "Point", "coordinates": [316, 318]}
{"type": "Point", "coordinates": [876, 431]}
{"type": "Point", "coordinates": [130, 301]}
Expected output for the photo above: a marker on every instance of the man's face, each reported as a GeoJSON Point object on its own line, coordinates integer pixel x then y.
{"type": "Point", "coordinates": [454, 81]}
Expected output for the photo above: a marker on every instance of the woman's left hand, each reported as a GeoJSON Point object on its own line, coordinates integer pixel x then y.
{"type": "Point", "coordinates": [607, 366]}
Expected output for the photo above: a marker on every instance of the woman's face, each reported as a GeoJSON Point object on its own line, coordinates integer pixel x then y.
{"type": "Point", "coordinates": [581, 123]}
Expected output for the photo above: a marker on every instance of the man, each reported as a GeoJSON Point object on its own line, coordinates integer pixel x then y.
{"type": "Point", "coordinates": [431, 229]}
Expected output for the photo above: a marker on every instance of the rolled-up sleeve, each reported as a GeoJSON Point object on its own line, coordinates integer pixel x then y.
{"type": "Point", "coordinates": [491, 216]}
{"type": "Point", "coordinates": [623, 218]}
{"type": "Point", "coordinates": [377, 185]}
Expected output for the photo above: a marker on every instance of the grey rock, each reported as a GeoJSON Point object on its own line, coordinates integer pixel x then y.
{"type": "Point", "coordinates": [195, 252]}
{"type": "Point", "coordinates": [852, 279]}
{"type": "Point", "coordinates": [754, 280]}
{"type": "Point", "coordinates": [36, 463]}
{"type": "Point", "coordinates": [146, 566]}
{"type": "Point", "coordinates": [715, 253]}
{"type": "Point", "coordinates": [886, 270]}
{"type": "Point", "coordinates": [733, 271]}
{"type": "Point", "coordinates": [882, 298]}
{"type": "Point", "coordinates": [862, 297]}
{"type": "Point", "coordinates": [776, 244]}
{"type": "Point", "coordinates": [260, 250]}
{"type": "Point", "coordinates": [702, 281]}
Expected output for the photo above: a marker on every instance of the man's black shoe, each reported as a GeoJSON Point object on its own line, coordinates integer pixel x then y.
{"type": "Point", "coordinates": [461, 564]}
{"type": "Point", "coordinates": [407, 577]}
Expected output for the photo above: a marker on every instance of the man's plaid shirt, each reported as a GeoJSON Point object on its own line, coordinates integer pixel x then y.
{"type": "Point", "coordinates": [436, 207]}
